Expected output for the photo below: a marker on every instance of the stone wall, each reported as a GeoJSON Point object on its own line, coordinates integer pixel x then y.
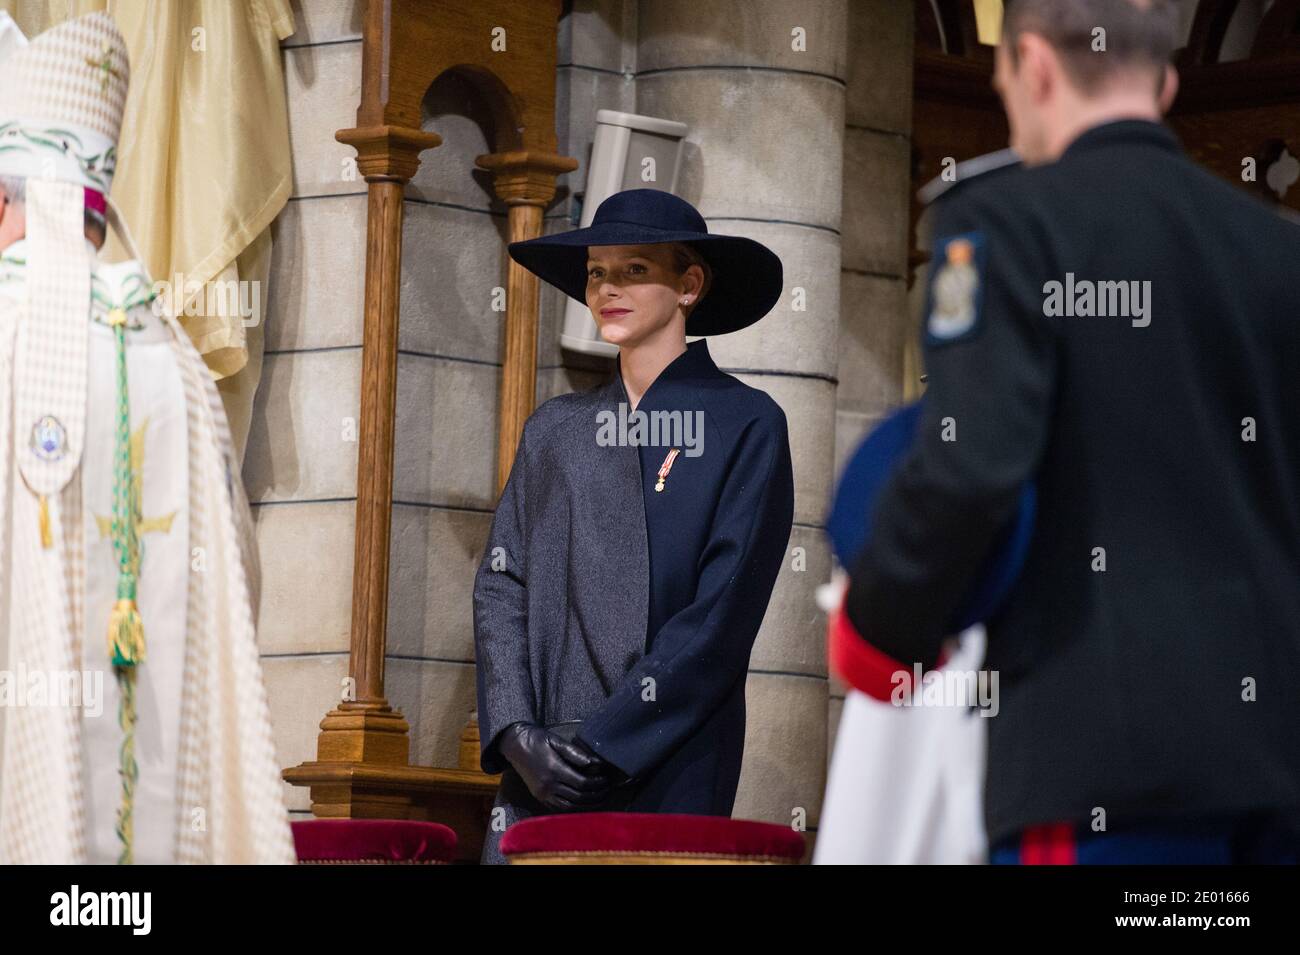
{"type": "Point", "coordinates": [874, 310]}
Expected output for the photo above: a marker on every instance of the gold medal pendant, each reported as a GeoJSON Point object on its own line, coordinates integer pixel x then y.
{"type": "Point", "coordinates": [666, 467]}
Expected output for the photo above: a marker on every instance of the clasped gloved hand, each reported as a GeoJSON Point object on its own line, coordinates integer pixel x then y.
{"type": "Point", "coordinates": [559, 774]}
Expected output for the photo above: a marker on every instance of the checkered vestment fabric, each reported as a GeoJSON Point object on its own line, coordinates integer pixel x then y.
{"type": "Point", "coordinates": [75, 74]}
{"type": "Point", "coordinates": [229, 800]}
{"type": "Point", "coordinates": [229, 795]}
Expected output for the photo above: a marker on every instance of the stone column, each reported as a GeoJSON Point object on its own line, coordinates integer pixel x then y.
{"type": "Point", "coordinates": [762, 85]}
{"type": "Point", "coordinates": [875, 323]}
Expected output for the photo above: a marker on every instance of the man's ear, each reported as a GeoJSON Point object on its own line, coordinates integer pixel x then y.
{"type": "Point", "coordinates": [1039, 65]}
{"type": "Point", "coordinates": [1169, 90]}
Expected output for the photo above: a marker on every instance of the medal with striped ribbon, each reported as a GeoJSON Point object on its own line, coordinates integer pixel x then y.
{"type": "Point", "coordinates": [666, 467]}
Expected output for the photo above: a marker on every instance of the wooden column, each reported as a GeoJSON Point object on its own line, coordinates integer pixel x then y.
{"type": "Point", "coordinates": [362, 768]}
{"type": "Point", "coordinates": [367, 728]}
{"type": "Point", "coordinates": [525, 182]}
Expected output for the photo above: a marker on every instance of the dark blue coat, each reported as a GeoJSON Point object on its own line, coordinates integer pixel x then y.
{"type": "Point", "coordinates": [632, 609]}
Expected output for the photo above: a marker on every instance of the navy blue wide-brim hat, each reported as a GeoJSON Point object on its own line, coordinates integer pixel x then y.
{"type": "Point", "coordinates": [851, 518]}
{"type": "Point", "coordinates": [747, 276]}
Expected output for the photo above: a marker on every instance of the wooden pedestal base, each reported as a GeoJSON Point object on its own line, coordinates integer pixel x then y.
{"type": "Point", "coordinates": [362, 772]}
{"type": "Point", "coordinates": [461, 799]}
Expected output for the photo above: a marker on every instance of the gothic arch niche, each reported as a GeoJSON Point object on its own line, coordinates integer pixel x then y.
{"type": "Point", "coordinates": [465, 111]}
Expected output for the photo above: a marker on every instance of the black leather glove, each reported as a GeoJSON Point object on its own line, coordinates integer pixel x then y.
{"type": "Point", "coordinates": [558, 774]}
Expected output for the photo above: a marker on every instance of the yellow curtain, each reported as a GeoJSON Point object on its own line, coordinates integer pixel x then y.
{"type": "Point", "coordinates": [203, 162]}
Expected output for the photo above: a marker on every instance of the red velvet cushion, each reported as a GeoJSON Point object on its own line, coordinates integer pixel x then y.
{"type": "Point", "coordinates": [373, 840]}
{"type": "Point", "coordinates": [651, 832]}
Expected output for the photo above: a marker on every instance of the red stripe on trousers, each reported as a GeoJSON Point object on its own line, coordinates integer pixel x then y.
{"type": "Point", "coordinates": [1051, 844]}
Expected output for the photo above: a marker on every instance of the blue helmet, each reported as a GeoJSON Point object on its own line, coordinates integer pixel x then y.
{"type": "Point", "coordinates": [849, 523]}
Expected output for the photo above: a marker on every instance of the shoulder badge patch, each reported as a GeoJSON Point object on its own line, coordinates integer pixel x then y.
{"type": "Point", "coordinates": [956, 288]}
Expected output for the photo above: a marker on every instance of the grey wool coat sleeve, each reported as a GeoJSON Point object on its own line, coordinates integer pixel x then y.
{"type": "Point", "coordinates": [504, 684]}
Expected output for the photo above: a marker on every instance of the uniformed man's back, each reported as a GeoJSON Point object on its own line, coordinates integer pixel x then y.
{"type": "Point", "coordinates": [1161, 585]}
{"type": "Point", "coordinates": [1120, 327]}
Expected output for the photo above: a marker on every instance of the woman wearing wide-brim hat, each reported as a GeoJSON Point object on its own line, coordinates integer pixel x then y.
{"type": "Point", "coordinates": [637, 541]}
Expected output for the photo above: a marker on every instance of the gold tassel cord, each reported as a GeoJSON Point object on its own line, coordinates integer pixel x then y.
{"type": "Point", "coordinates": [47, 538]}
{"type": "Point", "coordinates": [125, 635]}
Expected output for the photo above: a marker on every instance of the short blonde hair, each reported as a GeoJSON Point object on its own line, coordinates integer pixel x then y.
{"type": "Point", "coordinates": [684, 256]}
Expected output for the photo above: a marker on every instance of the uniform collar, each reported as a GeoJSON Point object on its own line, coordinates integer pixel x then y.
{"type": "Point", "coordinates": [695, 362]}
{"type": "Point", "coordinates": [1128, 131]}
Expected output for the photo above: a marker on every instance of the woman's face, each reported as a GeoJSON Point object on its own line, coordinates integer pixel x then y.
{"type": "Point", "coordinates": [634, 291]}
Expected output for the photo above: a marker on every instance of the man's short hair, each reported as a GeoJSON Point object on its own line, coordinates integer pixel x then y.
{"type": "Point", "coordinates": [15, 190]}
{"type": "Point", "coordinates": [1139, 34]}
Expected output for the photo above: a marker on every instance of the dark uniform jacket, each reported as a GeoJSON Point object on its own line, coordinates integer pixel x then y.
{"type": "Point", "coordinates": [1149, 656]}
{"type": "Point", "coordinates": [631, 609]}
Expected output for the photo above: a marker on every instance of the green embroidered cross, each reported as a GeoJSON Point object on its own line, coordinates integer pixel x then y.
{"type": "Point", "coordinates": [105, 63]}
